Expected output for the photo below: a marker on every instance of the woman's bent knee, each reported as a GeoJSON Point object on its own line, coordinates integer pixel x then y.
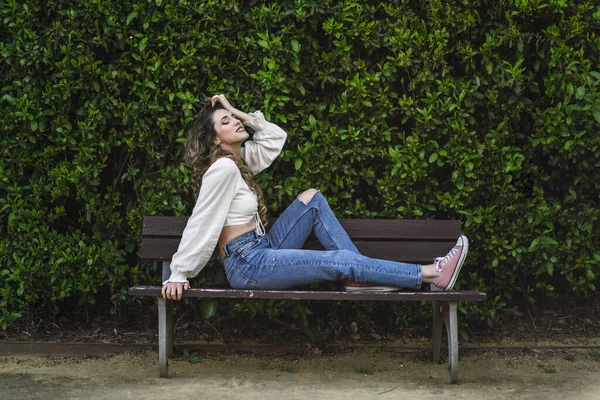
{"type": "Point", "coordinates": [307, 195]}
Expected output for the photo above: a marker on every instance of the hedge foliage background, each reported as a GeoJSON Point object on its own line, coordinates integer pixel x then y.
{"type": "Point", "coordinates": [487, 111]}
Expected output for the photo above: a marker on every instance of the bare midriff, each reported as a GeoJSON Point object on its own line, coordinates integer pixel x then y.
{"type": "Point", "coordinates": [234, 231]}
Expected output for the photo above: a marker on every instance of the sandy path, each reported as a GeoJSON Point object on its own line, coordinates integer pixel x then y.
{"type": "Point", "coordinates": [360, 374]}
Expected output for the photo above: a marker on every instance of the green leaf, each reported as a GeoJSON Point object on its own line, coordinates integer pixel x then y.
{"type": "Point", "coordinates": [297, 163]}
{"type": "Point", "coordinates": [208, 308]}
{"type": "Point", "coordinates": [597, 115]}
{"type": "Point", "coordinates": [303, 91]}
{"type": "Point", "coordinates": [143, 44]}
{"type": "Point", "coordinates": [158, 2]}
{"type": "Point", "coordinates": [590, 274]}
{"type": "Point", "coordinates": [295, 45]}
{"type": "Point", "coordinates": [131, 17]}
{"type": "Point", "coordinates": [595, 74]}
{"type": "Point", "coordinates": [263, 43]}
{"type": "Point", "coordinates": [568, 144]}
{"type": "Point", "coordinates": [433, 157]}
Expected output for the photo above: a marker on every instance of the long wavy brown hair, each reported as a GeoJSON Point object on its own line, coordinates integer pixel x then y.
{"type": "Point", "coordinates": [201, 152]}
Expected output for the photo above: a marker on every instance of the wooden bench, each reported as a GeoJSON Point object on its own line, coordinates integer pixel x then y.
{"type": "Point", "coordinates": [417, 241]}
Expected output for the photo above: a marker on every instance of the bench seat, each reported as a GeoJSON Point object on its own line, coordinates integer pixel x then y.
{"type": "Point", "coordinates": [466, 295]}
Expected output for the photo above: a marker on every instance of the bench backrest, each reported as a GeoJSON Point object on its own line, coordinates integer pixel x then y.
{"type": "Point", "coordinates": [415, 241]}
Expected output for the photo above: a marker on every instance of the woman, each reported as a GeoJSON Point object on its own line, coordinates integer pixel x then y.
{"type": "Point", "coordinates": [230, 212]}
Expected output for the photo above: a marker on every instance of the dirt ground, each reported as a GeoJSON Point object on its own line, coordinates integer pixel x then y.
{"type": "Point", "coordinates": [348, 374]}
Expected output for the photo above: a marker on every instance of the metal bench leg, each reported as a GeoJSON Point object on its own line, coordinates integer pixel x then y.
{"type": "Point", "coordinates": [165, 327]}
{"type": "Point", "coordinates": [438, 324]}
{"type": "Point", "coordinates": [451, 320]}
{"type": "Point", "coordinates": [166, 272]}
{"type": "Point", "coordinates": [163, 338]}
{"type": "Point", "coordinates": [169, 329]}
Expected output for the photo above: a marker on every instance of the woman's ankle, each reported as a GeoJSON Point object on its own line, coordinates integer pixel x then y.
{"type": "Point", "coordinates": [429, 273]}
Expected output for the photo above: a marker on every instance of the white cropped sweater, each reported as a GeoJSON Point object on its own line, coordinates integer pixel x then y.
{"type": "Point", "coordinates": [225, 199]}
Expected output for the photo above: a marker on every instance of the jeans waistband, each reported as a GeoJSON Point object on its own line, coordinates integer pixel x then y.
{"type": "Point", "coordinates": [239, 241]}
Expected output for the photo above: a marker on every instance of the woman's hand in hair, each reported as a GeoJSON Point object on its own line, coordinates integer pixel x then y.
{"type": "Point", "coordinates": [224, 102]}
{"type": "Point", "coordinates": [242, 116]}
{"type": "Point", "coordinates": [174, 290]}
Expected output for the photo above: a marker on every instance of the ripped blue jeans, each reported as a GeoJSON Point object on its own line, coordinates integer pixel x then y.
{"type": "Point", "coordinates": [277, 261]}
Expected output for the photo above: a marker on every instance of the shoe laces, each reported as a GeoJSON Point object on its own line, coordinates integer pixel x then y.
{"type": "Point", "coordinates": [439, 260]}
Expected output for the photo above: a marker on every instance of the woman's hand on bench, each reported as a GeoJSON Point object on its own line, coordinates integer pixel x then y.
{"type": "Point", "coordinates": [174, 290]}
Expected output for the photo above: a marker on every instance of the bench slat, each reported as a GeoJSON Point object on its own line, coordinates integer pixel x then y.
{"type": "Point", "coordinates": [366, 229]}
{"type": "Point", "coordinates": [471, 295]}
{"type": "Point", "coordinates": [415, 252]}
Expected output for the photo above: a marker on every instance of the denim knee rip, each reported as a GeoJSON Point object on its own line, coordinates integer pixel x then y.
{"type": "Point", "coordinates": [317, 208]}
{"type": "Point", "coordinates": [311, 199]}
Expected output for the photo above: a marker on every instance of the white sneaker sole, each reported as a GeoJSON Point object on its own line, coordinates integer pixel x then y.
{"type": "Point", "coordinates": [371, 289]}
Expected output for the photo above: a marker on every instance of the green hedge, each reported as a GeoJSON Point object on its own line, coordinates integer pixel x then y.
{"type": "Point", "coordinates": [487, 111]}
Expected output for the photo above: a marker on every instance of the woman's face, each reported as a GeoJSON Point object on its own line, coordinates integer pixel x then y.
{"type": "Point", "coordinates": [229, 129]}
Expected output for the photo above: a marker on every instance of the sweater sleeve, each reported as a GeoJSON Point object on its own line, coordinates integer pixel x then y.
{"type": "Point", "coordinates": [204, 226]}
{"type": "Point", "coordinates": [266, 144]}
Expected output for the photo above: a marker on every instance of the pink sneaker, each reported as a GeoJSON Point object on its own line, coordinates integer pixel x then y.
{"type": "Point", "coordinates": [450, 265]}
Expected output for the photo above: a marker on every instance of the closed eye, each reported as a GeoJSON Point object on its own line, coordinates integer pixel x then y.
{"type": "Point", "coordinates": [225, 120]}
